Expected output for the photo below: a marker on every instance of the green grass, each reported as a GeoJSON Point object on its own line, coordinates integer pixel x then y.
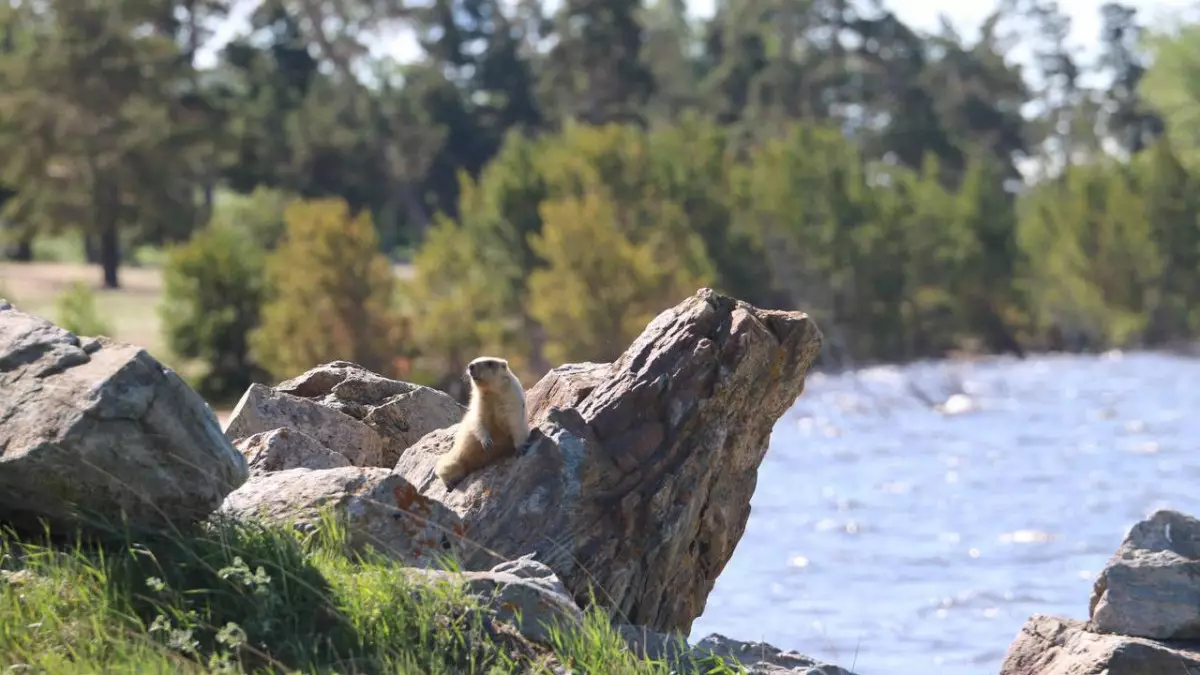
{"type": "Point", "coordinates": [247, 597]}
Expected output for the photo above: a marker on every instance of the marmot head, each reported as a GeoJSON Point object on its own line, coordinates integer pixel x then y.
{"type": "Point", "coordinates": [487, 370]}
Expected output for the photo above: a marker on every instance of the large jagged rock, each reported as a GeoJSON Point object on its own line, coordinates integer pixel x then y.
{"type": "Point", "coordinates": [93, 432]}
{"type": "Point", "coordinates": [1151, 586]}
{"type": "Point", "coordinates": [368, 418]}
{"type": "Point", "coordinates": [378, 508]}
{"type": "Point", "coordinates": [637, 480]}
{"type": "Point", "coordinates": [1049, 645]}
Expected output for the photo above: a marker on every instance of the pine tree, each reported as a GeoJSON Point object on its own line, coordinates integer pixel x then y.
{"type": "Point", "coordinates": [330, 294]}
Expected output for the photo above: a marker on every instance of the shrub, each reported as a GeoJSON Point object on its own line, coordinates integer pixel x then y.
{"type": "Point", "coordinates": [213, 288]}
{"type": "Point", "coordinates": [258, 214]}
{"type": "Point", "coordinates": [330, 293]}
{"type": "Point", "coordinates": [76, 309]}
{"type": "Point", "coordinates": [598, 290]}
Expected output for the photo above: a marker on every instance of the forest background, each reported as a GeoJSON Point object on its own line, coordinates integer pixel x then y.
{"type": "Point", "coordinates": [540, 182]}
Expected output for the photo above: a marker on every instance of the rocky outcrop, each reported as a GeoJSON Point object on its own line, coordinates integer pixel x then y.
{"type": "Point", "coordinates": [94, 432]}
{"type": "Point", "coordinates": [1049, 645]}
{"type": "Point", "coordinates": [1145, 611]}
{"type": "Point", "coordinates": [637, 480]}
{"type": "Point", "coordinates": [365, 417]}
{"type": "Point", "coordinates": [376, 507]}
{"type": "Point", "coordinates": [1151, 586]}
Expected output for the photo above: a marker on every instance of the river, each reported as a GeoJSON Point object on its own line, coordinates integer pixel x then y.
{"type": "Point", "coordinates": [892, 538]}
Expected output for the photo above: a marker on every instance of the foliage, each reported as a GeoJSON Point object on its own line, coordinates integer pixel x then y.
{"type": "Point", "coordinates": [212, 292]}
{"type": "Point", "coordinates": [330, 294]}
{"type": "Point", "coordinates": [597, 293]}
{"type": "Point", "coordinates": [232, 597]}
{"type": "Point", "coordinates": [76, 310]}
{"type": "Point", "coordinates": [916, 193]}
{"type": "Point", "coordinates": [259, 214]}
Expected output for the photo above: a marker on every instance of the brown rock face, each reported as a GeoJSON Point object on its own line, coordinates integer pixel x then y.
{"type": "Point", "coordinates": [636, 483]}
{"type": "Point", "coordinates": [1048, 645]}
{"type": "Point", "coordinates": [93, 431]}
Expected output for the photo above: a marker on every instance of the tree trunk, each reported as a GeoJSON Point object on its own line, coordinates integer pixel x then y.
{"type": "Point", "coordinates": [21, 250]}
{"type": "Point", "coordinates": [108, 218]}
{"type": "Point", "coordinates": [110, 253]}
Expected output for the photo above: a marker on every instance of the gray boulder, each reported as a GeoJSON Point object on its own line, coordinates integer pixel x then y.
{"type": "Point", "coordinates": [364, 416]}
{"type": "Point", "coordinates": [282, 449]}
{"type": "Point", "coordinates": [1048, 645]}
{"type": "Point", "coordinates": [523, 593]}
{"type": "Point", "coordinates": [264, 409]}
{"type": "Point", "coordinates": [760, 658]}
{"type": "Point", "coordinates": [1151, 586]}
{"type": "Point", "coordinates": [379, 509]}
{"type": "Point", "coordinates": [754, 658]}
{"type": "Point", "coordinates": [93, 432]}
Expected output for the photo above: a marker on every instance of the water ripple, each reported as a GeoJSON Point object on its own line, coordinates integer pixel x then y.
{"type": "Point", "coordinates": [946, 502]}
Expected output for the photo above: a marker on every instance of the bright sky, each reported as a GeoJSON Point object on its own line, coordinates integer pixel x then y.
{"type": "Point", "coordinates": [965, 15]}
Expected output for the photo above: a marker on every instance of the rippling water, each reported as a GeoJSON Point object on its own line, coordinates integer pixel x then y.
{"type": "Point", "coordinates": [896, 538]}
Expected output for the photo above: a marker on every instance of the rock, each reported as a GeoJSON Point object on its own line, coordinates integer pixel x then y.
{"type": "Point", "coordinates": [1151, 586]}
{"type": "Point", "coordinates": [757, 658]}
{"type": "Point", "coordinates": [16, 577]}
{"type": "Point", "coordinates": [1047, 645]}
{"type": "Point", "coordinates": [93, 432]}
{"type": "Point", "coordinates": [638, 475]}
{"type": "Point", "coordinates": [523, 593]}
{"type": "Point", "coordinates": [760, 658]}
{"type": "Point", "coordinates": [564, 387]}
{"type": "Point", "coordinates": [379, 508]}
{"type": "Point", "coordinates": [263, 409]}
{"type": "Point", "coordinates": [282, 449]}
{"type": "Point", "coordinates": [397, 413]}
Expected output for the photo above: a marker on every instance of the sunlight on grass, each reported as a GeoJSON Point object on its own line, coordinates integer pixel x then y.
{"type": "Point", "coordinates": [246, 597]}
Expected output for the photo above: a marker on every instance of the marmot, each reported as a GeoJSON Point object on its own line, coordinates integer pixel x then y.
{"type": "Point", "coordinates": [494, 426]}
